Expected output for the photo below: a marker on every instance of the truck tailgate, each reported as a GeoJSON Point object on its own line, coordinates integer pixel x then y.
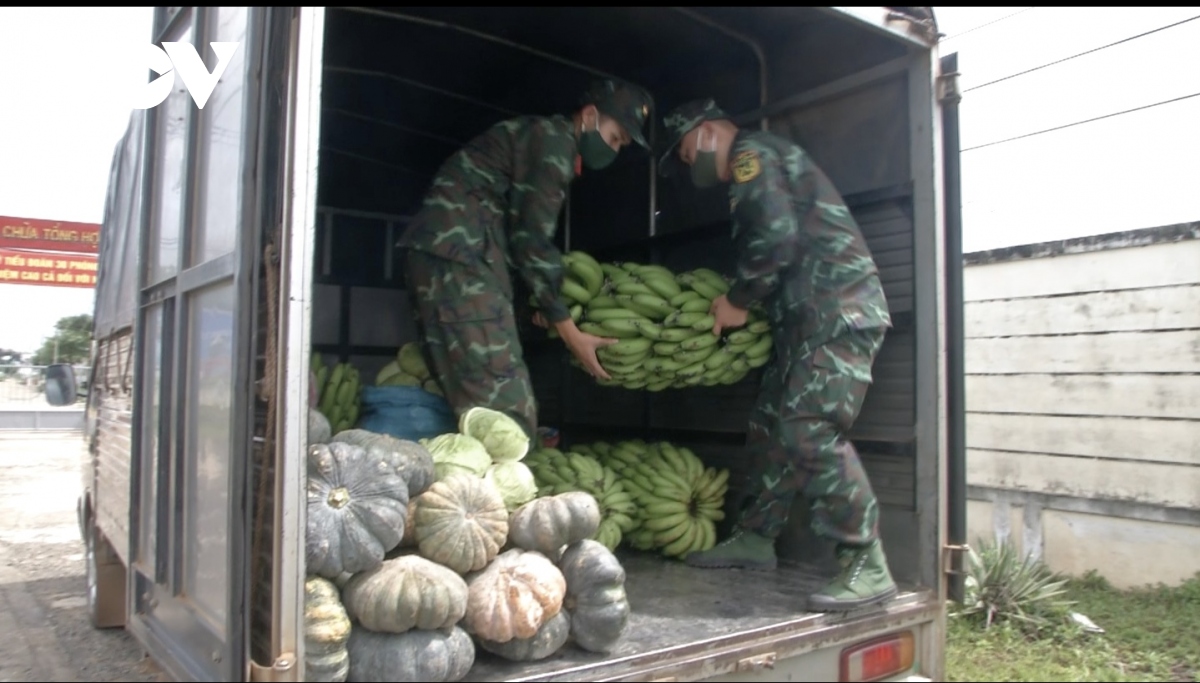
{"type": "Point", "coordinates": [695, 619]}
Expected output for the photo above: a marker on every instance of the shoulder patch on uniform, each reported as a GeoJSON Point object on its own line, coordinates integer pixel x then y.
{"type": "Point", "coordinates": [746, 167]}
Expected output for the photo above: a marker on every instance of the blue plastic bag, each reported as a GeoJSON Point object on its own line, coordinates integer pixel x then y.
{"type": "Point", "coordinates": [408, 413]}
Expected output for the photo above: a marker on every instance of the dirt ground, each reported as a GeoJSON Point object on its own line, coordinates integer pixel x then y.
{"type": "Point", "coordinates": [43, 617]}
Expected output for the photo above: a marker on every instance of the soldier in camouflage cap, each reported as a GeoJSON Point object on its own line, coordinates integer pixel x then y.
{"type": "Point", "coordinates": [492, 206]}
{"type": "Point", "coordinates": [800, 256]}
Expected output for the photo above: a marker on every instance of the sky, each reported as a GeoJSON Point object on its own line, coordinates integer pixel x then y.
{"type": "Point", "coordinates": [65, 76]}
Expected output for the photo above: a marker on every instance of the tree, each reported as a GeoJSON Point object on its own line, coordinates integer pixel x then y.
{"type": "Point", "coordinates": [73, 335]}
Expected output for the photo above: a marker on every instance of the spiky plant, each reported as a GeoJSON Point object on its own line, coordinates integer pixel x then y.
{"type": "Point", "coordinates": [1004, 585]}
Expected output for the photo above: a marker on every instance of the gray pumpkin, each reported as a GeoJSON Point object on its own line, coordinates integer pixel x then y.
{"type": "Point", "coordinates": [406, 593]}
{"type": "Point", "coordinates": [547, 524]}
{"type": "Point", "coordinates": [326, 630]}
{"type": "Point", "coordinates": [412, 461]}
{"type": "Point", "coordinates": [434, 656]}
{"type": "Point", "coordinates": [596, 596]}
{"type": "Point", "coordinates": [319, 430]}
{"type": "Point", "coordinates": [357, 506]}
{"type": "Point", "coordinates": [549, 639]}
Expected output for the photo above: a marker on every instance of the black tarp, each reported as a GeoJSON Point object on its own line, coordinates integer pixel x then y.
{"type": "Point", "coordinates": [116, 277]}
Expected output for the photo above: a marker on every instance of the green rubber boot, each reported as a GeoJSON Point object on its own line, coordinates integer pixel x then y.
{"type": "Point", "coordinates": [742, 550]}
{"type": "Point", "coordinates": [864, 580]}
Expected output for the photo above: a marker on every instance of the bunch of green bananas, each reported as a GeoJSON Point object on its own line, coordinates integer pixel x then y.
{"type": "Point", "coordinates": [557, 472]}
{"type": "Point", "coordinates": [679, 499]}
{"type": "Point", "coordinates": [340, 396]}
{"type": "Point", "coordinates": [663, 323]}
{"type": "Point", "coordinates": [408, 369]}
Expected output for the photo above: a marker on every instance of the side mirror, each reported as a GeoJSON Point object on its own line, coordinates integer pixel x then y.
{"type": "Point", "coordinates": [60, 384]}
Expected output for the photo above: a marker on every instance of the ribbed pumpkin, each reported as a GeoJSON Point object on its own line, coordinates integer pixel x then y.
{"type": "Point", "coordinates": [514, 596]}
{"type": "Point", "coordinates": [461, 522]}
{"type": "Point", "coordinates": [549, 639]}
{"type": "Point", "coordinates": [433, 656]}
{"type": "Point", "coordinates": [596, 596]}
{"type": "Point", "coordinates": [547, 524]}
{"type": "Point", "coordinates": [326, 630]}
{"type": "Point", "coordinates": [406, 593]}
{"type": "Point", "coordinates": [356, 509]}
{"type": "Point", "coordinates": [412, 461]}
{"type": "Point", "coordinates": [409, 540]}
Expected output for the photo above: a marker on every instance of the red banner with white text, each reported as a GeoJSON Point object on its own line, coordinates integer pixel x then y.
{"type": "Point", "coordinates": [51, 270]}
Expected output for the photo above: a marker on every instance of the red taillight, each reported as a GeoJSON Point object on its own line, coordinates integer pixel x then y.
{"type": "Point", "coordinates": [877, 658]}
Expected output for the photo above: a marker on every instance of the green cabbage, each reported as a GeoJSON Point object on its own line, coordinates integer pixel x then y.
{"type": "Point", "coordinates": [457, 453]}
{"type": "Point", "coordinates": [503, 438]}
{"type": "Point", "coordinates": [514, 481]}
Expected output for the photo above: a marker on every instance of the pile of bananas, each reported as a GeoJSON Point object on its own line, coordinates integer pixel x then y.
{"type": "Point", "coordinates": [679, 499]}
{"type": "Point", "coordinates": [557, 472]}
{"type": "Point", "coordinates": [339, 393]}
{"type": "Point", "coordinates": [408, 369]}
{"type": "Point", "coordinates": [663, 323]}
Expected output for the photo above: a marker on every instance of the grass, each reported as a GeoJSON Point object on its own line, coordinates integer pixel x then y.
{"type": "Point", "coordinates": [1151, 634]}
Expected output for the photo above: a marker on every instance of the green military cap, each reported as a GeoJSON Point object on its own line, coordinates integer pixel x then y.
{"type": "Point", "coordinates": [625, 102]}
{"type": "Point", "coordinates": [683, 119]}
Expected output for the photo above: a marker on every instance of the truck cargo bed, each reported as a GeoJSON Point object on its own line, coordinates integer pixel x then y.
{"type": "Point", "coordinates": [676, 610]}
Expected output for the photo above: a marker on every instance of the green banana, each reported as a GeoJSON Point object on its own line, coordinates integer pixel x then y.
{"type": "Point", "coordinates": [575, 291]}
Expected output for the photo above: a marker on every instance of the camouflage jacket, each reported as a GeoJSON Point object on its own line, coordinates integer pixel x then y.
{"type": "Point", "coordinates": [799, 251]}
{"type": "Point", "coordinates": [495, 203]}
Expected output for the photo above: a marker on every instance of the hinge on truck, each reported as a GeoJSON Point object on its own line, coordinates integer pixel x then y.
{"type": "Point", "coordinates": [282, 671]}
{"type": "Point", "coordinates": [947, 85]}
{"type": "Point", "coordinates": [954, 558]}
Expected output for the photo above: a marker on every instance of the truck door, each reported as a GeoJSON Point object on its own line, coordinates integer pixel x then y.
{"type": "Point", "coordinates": [188, 482]}
{"type": "Point", "coordinates": [956, 470]}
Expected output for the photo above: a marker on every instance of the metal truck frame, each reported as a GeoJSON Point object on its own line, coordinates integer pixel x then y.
{"type": "Point", "coordinates": [227, 233]}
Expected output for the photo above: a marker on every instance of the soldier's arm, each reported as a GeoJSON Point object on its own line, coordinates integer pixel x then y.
{"type": "Point", "coordinates": [544, 169]}
{"type": "Point", "coordinates": [766, 226]}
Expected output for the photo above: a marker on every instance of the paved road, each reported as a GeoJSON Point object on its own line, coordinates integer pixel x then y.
{"type": "Point", "coordinates": [43, 618]}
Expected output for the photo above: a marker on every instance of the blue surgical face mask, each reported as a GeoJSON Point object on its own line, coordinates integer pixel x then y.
{"type": "Point", "coordinates": [704, 166]}
{"type": "Point", "coordinates": [595, 152]}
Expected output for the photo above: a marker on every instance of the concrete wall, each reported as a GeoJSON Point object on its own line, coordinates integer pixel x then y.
{"type": "Point", "coordinates": [1083, 402]}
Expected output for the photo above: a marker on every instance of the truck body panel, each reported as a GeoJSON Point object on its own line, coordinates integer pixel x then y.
{"type": "Point", "coordinates": [298, 159]}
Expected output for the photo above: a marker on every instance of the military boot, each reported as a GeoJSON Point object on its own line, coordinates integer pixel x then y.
{"type": "Point", "coordinates": [742, 550]}
{"type": "Point", "coordinates": [864, 580]}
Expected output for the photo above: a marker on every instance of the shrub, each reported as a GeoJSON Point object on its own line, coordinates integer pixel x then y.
{"type": "Point", "coordinates": [1002, 585]}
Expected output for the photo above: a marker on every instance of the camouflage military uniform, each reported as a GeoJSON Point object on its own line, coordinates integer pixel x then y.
{"type": "Point", "coordinates": [802, 256]}
{"type": "Point", "coordinates": [492, 206]}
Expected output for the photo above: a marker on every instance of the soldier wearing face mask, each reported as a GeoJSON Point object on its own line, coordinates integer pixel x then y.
{"type": "Point", "coordinates": [494, 206]}
{"type": "Point", "coordinates": [800, 254]}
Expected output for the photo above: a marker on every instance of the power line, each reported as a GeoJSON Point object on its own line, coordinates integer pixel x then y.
{"type": "Point", "coordinates": [1088, 52]}
{"type": "Point", "coordinates": [994, 21]}
{"type": "Point", "coordinates": [1079, 123]}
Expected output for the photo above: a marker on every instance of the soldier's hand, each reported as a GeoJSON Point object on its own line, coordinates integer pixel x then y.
{"type": "Point", "coordinates": [726, 315]}
{"type": "Point", "coordinates": [540, 320]}
{"type": "Point", "coordinates": [584, 346]}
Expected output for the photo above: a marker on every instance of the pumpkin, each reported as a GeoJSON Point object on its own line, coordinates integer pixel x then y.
{"type": "Point", "coordinates": [412, 461]}
{"type": "Point", "coordinates": [596, 596]}
{"type": "Point", "coordinates": [326, 630]}
{"type": "Point", "coordinates": [461, 522]}
{"type": "Point", "coordinates": [356, 509]}
{"type": "Point", "coordinates": [549, 639]}
{"type": "Point", "coordinates": [547, 524]}
{"type": "Point", "coordinates": [514, 596]}
{"type": "Point", "coordinates": [406, 593]}
{"type": "Point", "coordinates": [409, 539]}
{"type": "Point", "coordinates": [319, 430]}
{"type": "Point", "coordinates": [435, 656]}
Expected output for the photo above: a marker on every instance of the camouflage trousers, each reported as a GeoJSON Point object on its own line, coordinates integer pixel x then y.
{"type": "Point", "coordinates": [798, 442]}
{"type": "Point", "coordinates": [468, 333]}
